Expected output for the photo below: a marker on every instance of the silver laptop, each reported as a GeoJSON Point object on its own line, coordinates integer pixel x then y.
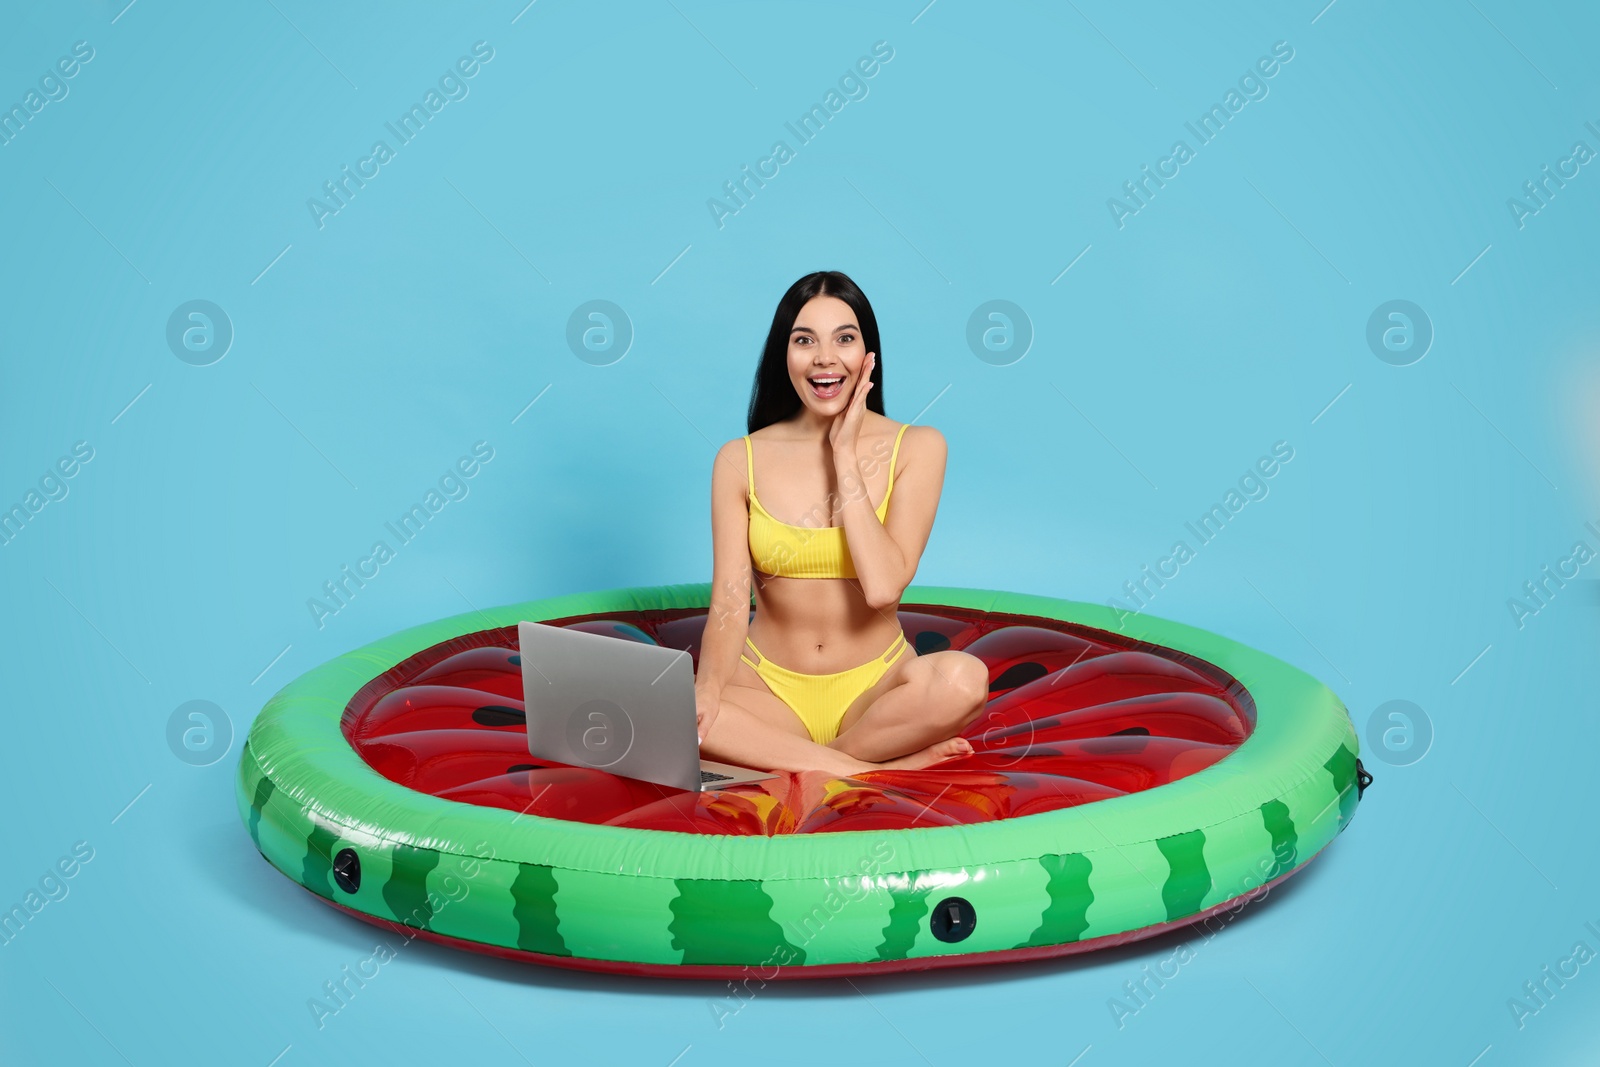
{"type": "Point", "coordinates": [616, 705]}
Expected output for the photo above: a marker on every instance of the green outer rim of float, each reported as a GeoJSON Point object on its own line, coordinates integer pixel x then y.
{"type": "Point", "coordinates": [1270, 806]}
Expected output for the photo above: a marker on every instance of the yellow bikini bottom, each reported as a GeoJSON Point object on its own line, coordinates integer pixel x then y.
{"type": "Point", "coordinates": [820, 700]}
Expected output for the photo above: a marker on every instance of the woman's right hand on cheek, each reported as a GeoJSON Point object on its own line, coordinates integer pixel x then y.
{"type": "Point", "coordinates": [706, 706]}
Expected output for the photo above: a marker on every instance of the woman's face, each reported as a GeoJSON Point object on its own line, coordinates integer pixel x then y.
{"type": "Point", "coordinates": [826, 354]}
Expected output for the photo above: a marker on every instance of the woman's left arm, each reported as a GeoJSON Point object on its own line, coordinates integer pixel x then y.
{"type": "Point", "coordinates": [886, 553]}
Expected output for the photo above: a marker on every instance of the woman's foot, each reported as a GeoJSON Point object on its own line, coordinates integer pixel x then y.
{"type": "Point", "coordinates": [939, 751]}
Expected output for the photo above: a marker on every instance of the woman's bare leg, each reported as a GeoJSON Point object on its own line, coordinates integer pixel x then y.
{"type": "Point", "coordinates": [751, 732]}
{"type": "Point", "coordinates": [932, 700]}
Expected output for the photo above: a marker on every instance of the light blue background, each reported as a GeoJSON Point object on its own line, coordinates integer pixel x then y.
{"type": "Point", "coordinates": [1227, 314]}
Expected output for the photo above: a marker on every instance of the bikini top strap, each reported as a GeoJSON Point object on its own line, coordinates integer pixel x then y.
{"type": "Point", "coordinates": [749, 466]}
{"type": "Point", "coordinates": [893, 456]}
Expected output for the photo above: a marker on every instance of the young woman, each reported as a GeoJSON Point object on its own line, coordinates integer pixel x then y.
{"type": "Point", "coordinates": [821, 678]}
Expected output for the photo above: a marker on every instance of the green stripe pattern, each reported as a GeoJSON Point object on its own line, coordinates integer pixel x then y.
{"type": "Point", "coordinates": [1188, 877]}
{"type": "Point", "coordinates": [1066, 916]}
{"type": "Point", "coordinates": [533, 897]}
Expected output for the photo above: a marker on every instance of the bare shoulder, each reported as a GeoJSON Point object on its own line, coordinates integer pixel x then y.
{"type": "Point", "coordinates": [925, 441]}
{"type": "Point", "coordinates": [920, 448]}
{"type": "Point", "coordinates": [730, 460]}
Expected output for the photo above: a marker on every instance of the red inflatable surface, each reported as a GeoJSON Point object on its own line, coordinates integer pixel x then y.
{"type": "Point", "coordinates": [1074, 715]}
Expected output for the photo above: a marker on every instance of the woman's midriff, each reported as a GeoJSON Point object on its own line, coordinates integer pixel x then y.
{"type": "Point", "coordinates": [818, 625]}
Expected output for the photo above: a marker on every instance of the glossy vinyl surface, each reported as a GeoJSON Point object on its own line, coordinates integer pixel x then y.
{"type": "Point", "coordinates": [1075, 715]}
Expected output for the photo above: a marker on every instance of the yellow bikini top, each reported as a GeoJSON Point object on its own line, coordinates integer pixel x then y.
{"type": "Point", "coordinates": [786, 551]}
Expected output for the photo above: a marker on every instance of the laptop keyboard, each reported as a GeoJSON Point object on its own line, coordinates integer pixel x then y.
{"type": "Point", "coordinates": [713, 776]}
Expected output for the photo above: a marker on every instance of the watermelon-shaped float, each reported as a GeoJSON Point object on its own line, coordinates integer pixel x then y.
{"type": "Point", "coordinates": [1122, 783]}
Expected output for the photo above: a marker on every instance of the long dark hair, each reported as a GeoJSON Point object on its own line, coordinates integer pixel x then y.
{"type": "Point", "coordinates": [773, 397]}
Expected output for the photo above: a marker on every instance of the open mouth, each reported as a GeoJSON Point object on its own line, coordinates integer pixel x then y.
{"type": "Point", "coordinates": [826, 387]}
